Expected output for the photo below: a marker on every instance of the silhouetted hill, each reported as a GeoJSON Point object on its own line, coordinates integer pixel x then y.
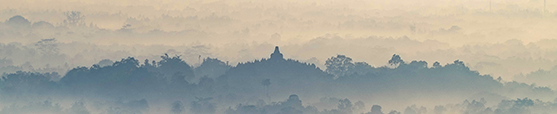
{"type": "Point", "coordinates": [170, 79]}
{"type": "Point", "coordinates": [286, 76]}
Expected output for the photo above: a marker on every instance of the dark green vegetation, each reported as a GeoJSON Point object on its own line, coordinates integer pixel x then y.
{"type": "Point", "coordinates": [130, 86]}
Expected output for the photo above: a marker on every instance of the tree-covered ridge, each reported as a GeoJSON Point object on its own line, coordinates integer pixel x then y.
{"type": "Point", "coordinates": [284, 75]}
{"type": "Point", "coordinates": [123, 78]}
{"type": "Point", "coordinates": [214, 81]}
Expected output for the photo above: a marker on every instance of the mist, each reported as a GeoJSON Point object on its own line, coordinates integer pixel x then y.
{"type": "Point", "coordinates": [278, 57]}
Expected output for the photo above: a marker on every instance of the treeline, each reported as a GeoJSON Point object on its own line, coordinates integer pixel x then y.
{"type": "Point", "coordinates": [292, 105]}
{"type": "Point", "coordinates": [171, 79]}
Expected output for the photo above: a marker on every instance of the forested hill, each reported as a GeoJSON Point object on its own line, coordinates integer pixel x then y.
{"type": "Point", "coordinates": [398, 84]}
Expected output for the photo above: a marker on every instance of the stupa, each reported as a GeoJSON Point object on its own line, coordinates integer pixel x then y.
{"type": "Point", "coordinates": [276, 55]}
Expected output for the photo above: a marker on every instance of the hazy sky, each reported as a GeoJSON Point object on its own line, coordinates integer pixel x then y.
{"type": "Point", "coordinates": [511, 39]}
{"type": "Point", "coordinates": [492, 36]}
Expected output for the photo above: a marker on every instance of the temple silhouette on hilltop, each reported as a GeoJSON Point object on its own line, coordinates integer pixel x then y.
{"type": "Point", "coordinates": [276, 55]}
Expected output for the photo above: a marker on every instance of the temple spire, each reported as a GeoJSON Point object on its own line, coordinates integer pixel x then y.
{"type": "Point", "coordinates": [276, 49]}
{"type": "Point", "coordinates": [276, 54]}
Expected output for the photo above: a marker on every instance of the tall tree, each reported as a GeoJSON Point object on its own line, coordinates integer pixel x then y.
{"type": "Point", "coordinates": [74, 18]}
{"type": "Point", "coordinates": [339, 65]}
{"type": "Point", "coordinates": [396, 60]}
{"type": "Point", "coordinates": [170, 66]}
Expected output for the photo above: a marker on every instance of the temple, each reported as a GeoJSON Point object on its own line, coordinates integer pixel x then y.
{"type": "Point", "coordinates": [276, 55]}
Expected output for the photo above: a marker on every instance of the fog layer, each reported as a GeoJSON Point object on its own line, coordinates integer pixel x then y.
{"type": "Point", "coordinates": [329, 57]}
